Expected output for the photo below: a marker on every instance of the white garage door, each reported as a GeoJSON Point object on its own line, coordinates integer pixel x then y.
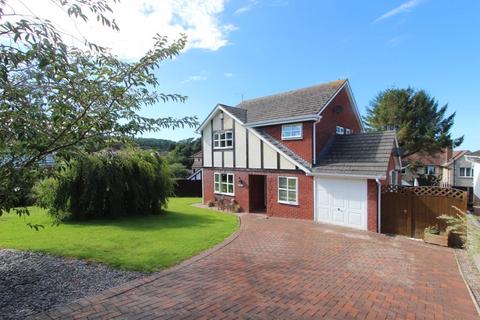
{"type": "Point", "coordinates": [342, 202]}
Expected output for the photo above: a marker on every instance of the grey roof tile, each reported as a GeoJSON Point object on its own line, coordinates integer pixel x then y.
{"type": "Point", "coordinates": [365, 154]}
{"type": "Point", "coordinates": [240, 114]}
{"type": "Point", "coordinates": [301, 102]}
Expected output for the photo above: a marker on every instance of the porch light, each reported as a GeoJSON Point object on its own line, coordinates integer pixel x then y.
{"type": "Point", "coordinates": [240, 183]}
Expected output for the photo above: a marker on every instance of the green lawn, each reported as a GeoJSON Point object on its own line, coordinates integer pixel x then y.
{"type": "Point", "coordinates": [144, 243]}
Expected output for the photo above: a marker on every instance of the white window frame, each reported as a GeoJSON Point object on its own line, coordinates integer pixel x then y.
{"type": "Point", "coordinates": [427, 172]}
{"type": "Point", "coordinates": [348, 131]}
{"type": "Point", "coordinates": [292, 137]}
{"type": "Point", "coordinates": [339, 130]}
{"type": "Point", "coordinates": [287, 190]}
{"type": "Point", "coordinates": [465, 175]}
{"type": "Point", "coordinates": [217, 139]}
{"type": "Point", "coordinates": [220, 183]}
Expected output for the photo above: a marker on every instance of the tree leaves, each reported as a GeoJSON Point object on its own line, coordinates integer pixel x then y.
{"type": "Point", "coordinates": [421, 125]}
{"type": "Point", "coordinates": [61, 99]}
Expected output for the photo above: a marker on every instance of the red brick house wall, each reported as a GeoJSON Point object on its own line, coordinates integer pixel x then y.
{"type": "Point", "coordinates": [372, 205]}
{"type": "Point", "coordinates": [391, 166]}
{"type": "Point", "coordinates": [302, 147]}
{"type": "Point", "coordinates": [330, 119]}
{"type": "Point", "coordinates": [304, 210]}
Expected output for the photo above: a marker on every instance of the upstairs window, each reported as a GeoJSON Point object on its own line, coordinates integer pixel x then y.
{"type": "Point", "coordinates": [348, 131]}
{"type": "Point", "coordinates": [223, 139]}
{"type": "Point", "coordinates": [340, 130]}
{"type": "Point", "coordinates": [430, 170]}
{"type": "Point", "coordinates": [292, 131]}
{"type": "Point", "coordinates": [466, 172]}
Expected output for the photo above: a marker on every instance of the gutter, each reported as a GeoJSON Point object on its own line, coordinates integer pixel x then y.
{"type": "Point", "coordinates": [283, 121]}
{"type": "Point", "coordinates": [379, 205]}
{"type": "Point", "coordinates": [319, 174]}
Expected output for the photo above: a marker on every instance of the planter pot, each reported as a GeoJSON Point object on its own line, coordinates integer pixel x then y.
{"type": "Point", "coordinates": [438, 239]}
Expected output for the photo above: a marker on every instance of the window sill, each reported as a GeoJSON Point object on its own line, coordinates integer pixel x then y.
{"type": "Point", "coordinates": [295, 138]}
{"type": "Point", "coordinates": [224, 194]}
{"type": "Point", "coordinates": [224, 148]}
{"type": "Point", "coordinates": [288, 203]}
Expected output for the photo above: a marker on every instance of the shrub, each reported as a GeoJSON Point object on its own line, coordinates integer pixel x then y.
{"type": "Point", "coordinates": [43, 192]}
{"type": "Point", "coordinates": [108, 184]}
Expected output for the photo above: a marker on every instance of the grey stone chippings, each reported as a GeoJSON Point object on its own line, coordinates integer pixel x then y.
{"type": "Point", "coordinates": [35, 282]}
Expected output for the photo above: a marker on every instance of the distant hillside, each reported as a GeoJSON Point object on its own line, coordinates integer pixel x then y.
{"type": "Point", "coordinates": [161, 145]}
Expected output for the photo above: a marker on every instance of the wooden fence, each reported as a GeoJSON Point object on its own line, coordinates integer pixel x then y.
{"type": "Point", "coordinates": [409, 210]}
{"type": "Point", "coordinates": [188, 188]}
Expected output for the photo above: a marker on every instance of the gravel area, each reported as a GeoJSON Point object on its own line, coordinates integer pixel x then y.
{"type": "Point", "coordinates": [470, 272]}
{"type": "Point", "coordinates": [34, 282]}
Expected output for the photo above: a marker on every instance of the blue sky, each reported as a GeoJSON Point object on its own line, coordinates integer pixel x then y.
{"type": "Point", "coordinates": [278, 45]}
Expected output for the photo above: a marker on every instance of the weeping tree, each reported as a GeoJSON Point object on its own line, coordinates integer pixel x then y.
{"type": "Point", "coordinates": [63, 99]}
{"type": "Point", "coordinates": [107, 184]}
{"type": "Point", "coordinates": [421, 124]}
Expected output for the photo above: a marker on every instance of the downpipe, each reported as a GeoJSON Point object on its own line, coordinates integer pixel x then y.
{"type": "Point", "coordinates": [379, 205]}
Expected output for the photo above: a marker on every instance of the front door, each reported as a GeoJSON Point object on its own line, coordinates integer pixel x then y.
{"type": "Point", "coordinates": [257, 190]}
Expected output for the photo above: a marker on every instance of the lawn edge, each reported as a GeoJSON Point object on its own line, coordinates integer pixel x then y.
{"type": "Point", "coordinates": [126, 287]}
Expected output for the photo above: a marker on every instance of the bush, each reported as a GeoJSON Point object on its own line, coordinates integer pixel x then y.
{"type": "Point", "coordinates": [107, 184]}
{"type": "Point", "coordinates": [44, 192]}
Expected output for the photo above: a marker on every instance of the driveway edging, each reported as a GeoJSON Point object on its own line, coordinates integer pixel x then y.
{"type": "Point", "coordinates": [472, 296]}
{"type": "Point", "coordinates": [129, 286]}
{"type": "Point", "coordinates": [181, 265]}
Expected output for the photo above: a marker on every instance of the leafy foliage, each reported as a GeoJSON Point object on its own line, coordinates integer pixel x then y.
{"type": "Point", "coordinates": [107, 184]}
{"type": "Point", "coordinates": [160, 145]}
{"type": "Point", "coordinates": [420, 123]}
{"type": "Point", "coordinates": [180, 158]}
{"type": "Point", "coordinates": [429, 180]}
{"type": "Point", "coordinates": [63, 99]}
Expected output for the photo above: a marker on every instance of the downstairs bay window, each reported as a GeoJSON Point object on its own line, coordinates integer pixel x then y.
{"type": "Point", "coordinates": [288, 190]}
{"type": "Point", "coordinates": [223, 183]}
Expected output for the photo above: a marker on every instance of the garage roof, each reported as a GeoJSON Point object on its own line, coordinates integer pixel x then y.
{"type": "Point", "coordinates": [362, 154]}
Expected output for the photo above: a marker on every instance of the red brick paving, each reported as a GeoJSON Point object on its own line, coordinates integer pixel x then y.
{"type": "Point", "coordinates": [289, 269]}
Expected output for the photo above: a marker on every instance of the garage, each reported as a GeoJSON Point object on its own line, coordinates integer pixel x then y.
{"type": "Point", "coordinates": [341, 202]}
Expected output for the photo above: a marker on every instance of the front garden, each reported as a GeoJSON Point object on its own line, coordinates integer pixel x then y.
{"type": "Point", "coordinates": [142, 243]}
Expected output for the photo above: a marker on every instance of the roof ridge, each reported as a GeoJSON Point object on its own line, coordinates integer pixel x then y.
{"type": "Point", "coordinates": [279, 94]}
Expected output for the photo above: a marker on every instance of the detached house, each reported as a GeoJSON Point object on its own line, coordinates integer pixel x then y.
{"type": "Point", "coordinates": [299, 154]}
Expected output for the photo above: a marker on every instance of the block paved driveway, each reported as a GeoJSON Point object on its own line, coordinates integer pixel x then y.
{"type": "Point", "coordinates": [286, 269]}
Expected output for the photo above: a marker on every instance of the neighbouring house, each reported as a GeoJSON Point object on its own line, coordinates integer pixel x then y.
{"type": "Point", "coordinates": [425, 164]}
{"type": "Point", "coordinates": [450, 169]}
{"type": "Point", "coordinates": [458, 171]}
{"type": "Point", "coordinates": [474, 158]}
{"type": "Point", "coordinates": [299, 154]}
{"type": "Point", "coordinates": [196, 166]}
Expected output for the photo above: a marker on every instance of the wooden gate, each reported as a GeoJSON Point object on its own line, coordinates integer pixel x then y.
{"type": "Point", "coordinates": [409, 210]}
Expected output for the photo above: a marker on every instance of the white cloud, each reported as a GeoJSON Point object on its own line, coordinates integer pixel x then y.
{"type": "Point", "coordinates": [195, 78]}
{"type": "Point", "coordinates": [228, 74]}
{"type": "Point", "coordinates": [254, 3]}
{"type": "Point", "coordinates": [249, 6]}
{"type": "Point", "coordinates": [139, 21]}
{"type": "Point", "coordinates": [404, 7]}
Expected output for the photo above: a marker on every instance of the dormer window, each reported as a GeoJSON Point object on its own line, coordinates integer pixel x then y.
{"type": "Point", "coordinates": [292, 131]}
{"type": "Point", "coordinates": [340, 130]}
{"type": "Point", "coordinates": [223, 139]}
